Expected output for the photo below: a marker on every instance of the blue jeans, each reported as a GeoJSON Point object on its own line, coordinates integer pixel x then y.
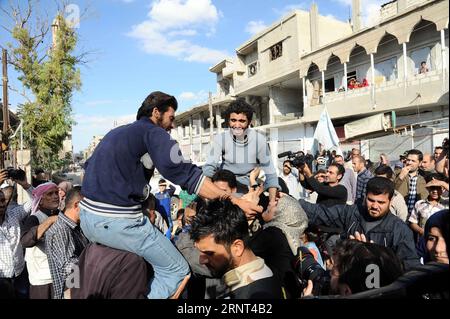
{"type": "Point", "coordinates": [139, 236]}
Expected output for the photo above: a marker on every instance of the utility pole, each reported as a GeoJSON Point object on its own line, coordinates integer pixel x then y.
{"type": "Point", "coordinates": [5, 129]}
{"type": "Point", "coordinates": [211, 118]}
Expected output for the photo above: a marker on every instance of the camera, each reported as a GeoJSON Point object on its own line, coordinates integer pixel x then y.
{"type": "Point", "coordinates": [307, 268]}
{"type": "Point", "coordinates": [298, 159]}
{"type": "Point", "coordinates": [17, 174]}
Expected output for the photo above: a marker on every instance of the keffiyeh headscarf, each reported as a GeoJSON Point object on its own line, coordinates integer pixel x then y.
{"type": "Point", "coordinates": [38, 192]}
{"type": "Point", "coordinates": [291, 219]}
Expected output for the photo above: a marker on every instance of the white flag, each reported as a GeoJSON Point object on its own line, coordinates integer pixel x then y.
{"type": "Point", "coordinates": [325, 134]}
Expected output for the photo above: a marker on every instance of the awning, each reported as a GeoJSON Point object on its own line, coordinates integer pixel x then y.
{"type": "Point", "coordinates": [372, 126]}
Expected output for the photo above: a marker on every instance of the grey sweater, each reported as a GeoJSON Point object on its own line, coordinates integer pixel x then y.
{"type": "Point", "coordinates": [241, 157]}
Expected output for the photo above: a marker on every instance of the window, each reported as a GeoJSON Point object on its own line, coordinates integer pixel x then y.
{"type": "Point", "coordinates": [329, 85]}
{"type": "Point", "coordinates": [252, 69]}
{"type": "Point", "coordinates": [386, 70]}
{"type": "Point", "coordinates": [351, 75]}
{"type": "Point", "coordinates": [225, 86]}
{"type": "Point", "coordinates": [276, 51]}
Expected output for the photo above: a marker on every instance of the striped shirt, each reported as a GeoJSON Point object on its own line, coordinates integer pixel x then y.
{"type": "Point", "coordinates": [412, 195]}
{"type": "Point", "coordinates": [64, 243]}
{"type": "Point", "coordinates": [11, 251]}
{"type": "Point", "coordinates": [361, 184]}
{"type": "Point", "coordinates": [424, 209]}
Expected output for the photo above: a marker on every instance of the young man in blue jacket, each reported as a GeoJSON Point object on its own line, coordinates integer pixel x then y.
{"type": "Point", "coordinates": [163, 201]}
{"type": "Point", "coordinates": [116, 182]}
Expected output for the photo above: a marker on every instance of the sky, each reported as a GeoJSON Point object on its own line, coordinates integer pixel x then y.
{"type": "Point", "coordinates": [140, 46]}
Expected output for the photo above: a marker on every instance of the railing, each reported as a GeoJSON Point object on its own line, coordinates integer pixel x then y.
{"type": "Point", "coordinates": [433, 75]}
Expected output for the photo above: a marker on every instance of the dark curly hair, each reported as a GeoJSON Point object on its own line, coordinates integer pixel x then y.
{"type": "Point", "coordinates": [239, 106]}
{"type": "Point", "coordinates": [160, 100]}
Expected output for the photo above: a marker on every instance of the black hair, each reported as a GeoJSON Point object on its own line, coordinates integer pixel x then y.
{"type": "Point", "coordinates": [160, 100]}
{"type": "Point", "coordinates": [240, 106]}
{"type": "Point", "coordinates": [287, 161]}
{"type": "Point", "coordinates": [283, 186]}
{"type": "Point", "coordinates": [73, 195]}
{"type": "Point", "coordinates": [384, 170]}
{"type": "Point", "coordinates": [416, 152]}
{"type": "Point", "coordinates": [162, 181]}
{"type": "Point", "coordinates": [223, 220]}
{"type": "Point", "coordinates": [380, 185]}
{"type": "Point", "coordinates": [340, 168]}
{"type": "Point", "coordinates": [352, 258]}
{"type": "Point", "coordinates": [149, 203]}
{"type": "Point", "coordinates": [224, 175]}
{"type": "Point", "coordinates": [437, 176]}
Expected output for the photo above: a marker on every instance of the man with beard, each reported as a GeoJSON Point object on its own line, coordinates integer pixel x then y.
{"type": "Point", "coordinates": [330, 192]}
{"type": "Point", "coordinates": [372, 222]}
{"type": "Point", "coordinates": [116, 183]}
{"type": "Point", "coordinates": [290, 177]}
{"type": "Point", "coordinates": [409, 183]}
{"type": "Point", "coordinates": [221, 235]}
{"type": "Point", "coordinates": [44, 213]}
{"type": "Point", "coordinates": [241, 149]}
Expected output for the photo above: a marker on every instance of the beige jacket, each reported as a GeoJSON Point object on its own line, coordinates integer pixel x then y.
{"type": "Point", "coordinates": [402, 186]}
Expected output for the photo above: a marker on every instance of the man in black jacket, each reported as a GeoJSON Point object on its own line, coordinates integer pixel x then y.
{"type": "Point", "coordinates": [330, 192]}
{"type": "Point", "coordinates": [372, 222]}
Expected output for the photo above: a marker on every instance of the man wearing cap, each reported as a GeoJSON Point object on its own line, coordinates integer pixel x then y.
{"type": "Point", "coordinates": [116, 183]}
{"type": "Point", "coordinates": [426, 207]}
{"type": "Point", "coordinates": [44, 212]}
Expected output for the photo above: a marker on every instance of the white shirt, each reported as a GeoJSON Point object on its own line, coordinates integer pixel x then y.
{"type": "Point", "coordinates": [292, 183]}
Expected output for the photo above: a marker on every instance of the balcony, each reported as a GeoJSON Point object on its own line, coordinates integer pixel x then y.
{"type": "Point", "coordinates": [418, 91]}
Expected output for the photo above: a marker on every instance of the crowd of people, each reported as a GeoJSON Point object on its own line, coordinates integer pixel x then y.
{"type": "Point", "coordinates": [241, 231]}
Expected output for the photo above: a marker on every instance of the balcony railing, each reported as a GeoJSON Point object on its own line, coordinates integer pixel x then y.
{"type": "Point", "coordinates": [381, 86]}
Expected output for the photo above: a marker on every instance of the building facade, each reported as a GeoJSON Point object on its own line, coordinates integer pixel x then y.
{"type": "Point", "coordinates": [306, 62]}
{"type": "Point", "coordinates": [92, 145]}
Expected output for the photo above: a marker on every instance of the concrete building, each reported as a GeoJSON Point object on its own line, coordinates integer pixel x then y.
{"type": "Point", "coordinates": [92, 145]}
{"type": "Point", "coordinates": [303, 63]}
{"type": "Point", "coordinates": [67, 147]}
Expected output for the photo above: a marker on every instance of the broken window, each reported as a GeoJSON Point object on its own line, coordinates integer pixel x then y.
{"type": "Point", "coordinates": [252, 69]}
{"type": "Point", "coordinates": [276, 51]}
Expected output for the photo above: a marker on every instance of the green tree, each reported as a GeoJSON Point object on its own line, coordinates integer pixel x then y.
{"type": "Point", "coordinates": [51, 79]}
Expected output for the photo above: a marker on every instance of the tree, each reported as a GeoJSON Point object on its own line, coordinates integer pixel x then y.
{"type": "Point", "coordinates": [48, 70]}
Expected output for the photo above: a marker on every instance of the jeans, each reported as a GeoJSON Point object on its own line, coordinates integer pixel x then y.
{"type": "Point", "coordinates": [139, 236]}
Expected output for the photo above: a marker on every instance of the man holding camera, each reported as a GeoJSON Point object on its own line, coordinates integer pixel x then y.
{"type": "Point", "coordinates": [290, 177]}
{"type": "Point", "coordinates": [330, 192]}
{"type": "Point", "coordinates": [12, 215]}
